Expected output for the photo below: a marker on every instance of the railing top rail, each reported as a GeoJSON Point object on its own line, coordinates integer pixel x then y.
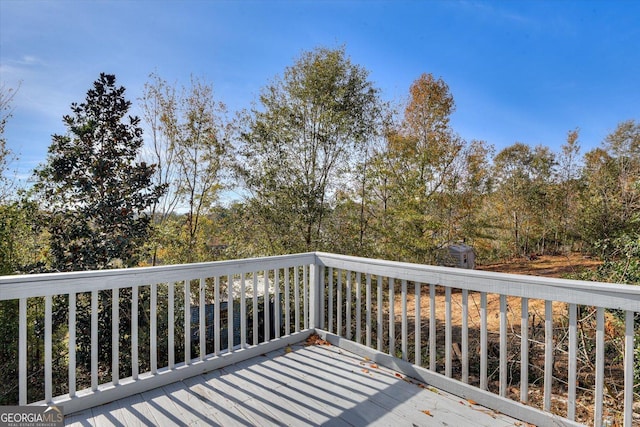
{"type": "Point", "coordinates": [608, 295]}
{"type": "Point", "coordinates": [36, 285]}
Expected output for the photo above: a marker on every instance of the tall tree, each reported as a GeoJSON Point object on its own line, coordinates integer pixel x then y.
{"type": "Point", "coordinates": [523, 177]}
{"type": "Point", "coordinates": [419, 167]}
{"type": "Point", "coordinates": [567, 190]}
{"type": "Point", "coordinates": [96, 193]}
{"type": "Point", "coordinates": [6, 155]}
{"type": "Point", "coordinates": [189, 136]}
{"type": "Point", "coordinates": [306, 135]}
{"type": "Point", "coordinates": [612, 192]}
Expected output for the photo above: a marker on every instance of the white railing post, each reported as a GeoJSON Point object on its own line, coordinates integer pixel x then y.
{"type": "Point", "coordinates": [94, 340]}
{"type": "Point", "coordinates": [314, 296]}
{"type": "Point", "coordinates": [187, 322]}
{"type": "Point", "coordinates": [404, 327]}
{"type": "Point", "coordinates": [548, 355]}
{"type": "Point", "coordinates": [277, 315]}
{"type": "Point", "coordinates": [392, 317]}
{"type": "Point", "coordinates": [524, 350]}
{"type": "Point", "coordinates": [296, 299]}
{"type": "Point", "coordinates": [153, 328]}
{"type": "Point", "coordinates": [216, 314]}
{"type": "Point", "coordinates": [348, 306]}
{"type": "Point", "coordinates": [368, 309]}
{"type": "Point", "coordinates": [115, 336]}
{"type": "Point", "coordinates": [48, 351]}
{"type": "Point", "coordinates": [628, 368]}
{"type": "Point", "coordinates": [358, 307]}
{"type": "Point", "coordinates": [503, 345]}
{"type": "Point", "coordinates": [305, 297]}
{"type": "Point", "coordinates": [379, 324]}
{"type": "Point", "coordinates": [243, 313]}
{"type": "Point", "coordinates": [171, 319]}
{"type": "Point", "coordinates": [418, 325]}
{"type": "Point", "coordinates": [599, 387]}
{"type": "Point", "coordinates": [448, 341]}
{"type": "Point", "coordinates": [254, 326]}
{"type": "Point", "coordinates": [330, 302]}
{"type": "Point", "coordinates": [465, 336]}
{"type": "Point", "coordinates": [135, 363]}
{"type": "Point", "coordinates": [72, 344]}
{"type": "Point", "coordinates": [265, 307]}
{"type": "Point", "coordinates": [483, 341]}
{"type": "Point", "coordinates": [202, 316]}
{"type": "Point", "coordinates": [287, 303]}
{"type": "Point", "coordinates": [572, 375]}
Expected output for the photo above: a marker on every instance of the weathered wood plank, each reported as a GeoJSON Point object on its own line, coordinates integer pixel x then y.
{"type": "Point", "coordinates": [80, 419]}
{"type": "Point", "coordinates": [136, 412]}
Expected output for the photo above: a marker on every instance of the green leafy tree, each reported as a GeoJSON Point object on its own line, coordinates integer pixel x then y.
{"type": "Point", "coordinates": [523, 178]}
{"type": "Point", "coordinates": [299, 148]}
{"type": "Point", "coordinates": [611, 199]}
{"type": "Point", "coordinates": [420, 172]}
{"type": "Point", "coordinates": [94, 190]}
{"type": "Point", "coordinates": [96, 196]}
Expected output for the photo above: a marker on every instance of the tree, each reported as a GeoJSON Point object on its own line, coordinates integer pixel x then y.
{"type": "Point", "coordinates": [420, 169]}
{"type": "Point", "coordinates": [6, 155]}
{"type": "Point", "coordinates": [190, 145]}
{"type": "Point", "coordinates": [157, 103]}
{"type": "Point", "coordinates": [94, 191]}
{"type": "Point", "coordinates": [523, 178]}
{"type": "Point", "coordinates": [611, 198]}
{"type": "Point", "coordinates": [16, 236]}
{"type": "Point", "coordinates": [295, 150]}
{"type": "Point", "coordinates": [567, 191]}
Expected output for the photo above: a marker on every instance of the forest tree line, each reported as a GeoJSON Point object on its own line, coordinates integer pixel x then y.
{"type": "Point", "coordinates": [320, 162]}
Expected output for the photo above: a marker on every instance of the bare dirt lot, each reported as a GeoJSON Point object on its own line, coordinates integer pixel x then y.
{"type": "Point", "coordinates": [545, 265]}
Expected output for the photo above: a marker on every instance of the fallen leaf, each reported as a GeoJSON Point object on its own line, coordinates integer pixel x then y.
{"type": "Point", "coordinates": [366, 359]}
{"type": "Point", "coordinates": [287, 349]}
{"type": "Point", "coordinates": [398, 375]}
{"type": "Point", "coordinates": [316, 340]}
{"type": "Point", "coordinates": [374, 366]}
{"type": "Point", "coordinates": [427, 412]}
{"type": "Point", "coordinates": [472, 402]}
{"type": "Point", "coordinates": [366, 371]}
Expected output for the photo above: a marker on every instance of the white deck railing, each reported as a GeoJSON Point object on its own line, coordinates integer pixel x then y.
{"type": "Point", "coordinates": [429, 322]}
{"type": "Point", "coordinates": [157, 296]}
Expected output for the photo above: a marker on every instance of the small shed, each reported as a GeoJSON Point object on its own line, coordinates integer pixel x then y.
{"type": "Point", "coordinates": [461, 256]}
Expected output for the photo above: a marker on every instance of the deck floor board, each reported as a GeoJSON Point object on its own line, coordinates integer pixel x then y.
{"type": "Point", "coordinates": [300, 385]}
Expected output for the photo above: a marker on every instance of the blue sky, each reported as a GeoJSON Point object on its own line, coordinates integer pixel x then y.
{"type": "Point", "coordinates": [526, 71]}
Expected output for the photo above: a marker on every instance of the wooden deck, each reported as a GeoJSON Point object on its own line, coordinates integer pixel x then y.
{"type": "Point", "coordinates": [299, 385]}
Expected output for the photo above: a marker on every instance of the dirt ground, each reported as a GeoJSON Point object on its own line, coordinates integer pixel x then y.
{"type": "Point", "coordinates": [546, 265]}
